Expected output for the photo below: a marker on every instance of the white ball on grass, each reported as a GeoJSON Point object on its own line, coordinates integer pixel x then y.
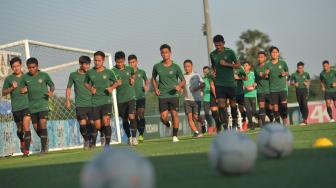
{"type": "Point", "coordinates": [118, 168]}
{"type": "Point", "coordinates": [275, 141]}
{"type": "Point", "coordinates": [232, 153]}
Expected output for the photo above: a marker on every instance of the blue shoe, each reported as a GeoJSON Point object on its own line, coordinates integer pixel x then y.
{"type": "Point", "coordinates": [107, 148]}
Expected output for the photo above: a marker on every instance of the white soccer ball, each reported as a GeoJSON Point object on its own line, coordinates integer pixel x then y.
{"type": "Point", "coordinates": [275, 141]}
{"type": "Point", "coordinates": [118, 168]}
{"type": "Point", "coordinates": [232, 153]}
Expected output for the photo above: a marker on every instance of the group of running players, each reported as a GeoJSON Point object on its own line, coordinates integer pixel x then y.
{"type": "Point", "coordinates": [227, 85]}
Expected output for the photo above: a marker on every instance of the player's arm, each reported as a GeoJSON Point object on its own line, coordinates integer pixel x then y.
{"type": "Point", "coordinates": [23, 86]}
{"type": "Point", "coordinates": [88, 84]}
{"type": "Point", "coordinates": [182, 82]}
{"type": "Point", "coordinates": [68, 93]}
{"type": "Point", "coordinates": [146, 84]}
{"type": "Point", "coordinates": [234, 65]}
{"type": "Point", "coordinates": [322, 83]}
{"type": "Point", "coordinates": [213, 88]}
{"type": "Point", "coordinates": [115, 82]}
{"type": "Point", "coordinates": [8, 87]}
{"type": "Point", "coordinates": [154, 83]}
{"type": "Point", "coordinates": [285, 71]}
{"type": "Point", "coordinates": [51, 85]}
{"type": "Point", "coordinates": [131, 81]}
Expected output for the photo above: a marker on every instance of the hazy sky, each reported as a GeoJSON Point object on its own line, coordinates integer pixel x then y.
{"type": "Point", "coordinates": [304, 30]}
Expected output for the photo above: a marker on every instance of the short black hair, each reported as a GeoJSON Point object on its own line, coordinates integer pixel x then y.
{"type": "Point", "coordinates": [32, 60]}
{"type": "Point", "coordinates": [325, 62]}
{"type": "Point", "coordinates": [15, 59]}
{"type": "Point", "coordinates": [84, 59]}
{"type": "Point", "coordinates": [119, 55]}
{"type": "Point", "coordinates": [99, 53]}
{"type": "Point", "coordinates": [187, 61]}
{"type": "Point", "coordinates": [247, 62]}
{"type": "Point", "coordinates": [300, 63]}
{"type": "Point", "coordinates": [132, 56]}
{"type": "Point", "coordinates": [206, 67]}
{"type": "Point", "coordinates": [218, 38]}
{"type": "Point", "coordinates": [262, 52]}
{"type": "Point", "coordinates": [273, 48]}
{"type": "Point", "coordinates": [163, 46]}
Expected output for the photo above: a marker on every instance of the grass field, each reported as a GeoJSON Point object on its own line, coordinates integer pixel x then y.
{"type": "Point", "coordinates": [185, 164]}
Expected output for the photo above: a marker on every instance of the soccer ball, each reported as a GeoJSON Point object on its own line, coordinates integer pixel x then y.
{"type": "Point", "coordinates": [232, 153]}
{"type": "Point", "coordinates": [275, 141]}
{"type": "Point", "coordinates": [118, 168]}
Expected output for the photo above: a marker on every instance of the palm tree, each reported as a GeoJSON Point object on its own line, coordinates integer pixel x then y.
{"type": "Point", "coordinates": [250, 43]}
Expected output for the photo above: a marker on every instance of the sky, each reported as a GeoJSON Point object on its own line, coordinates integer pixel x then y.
{"type": "Point", "coordinates": [304, 30]}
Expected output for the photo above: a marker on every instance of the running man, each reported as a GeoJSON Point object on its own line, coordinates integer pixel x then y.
{"type": "Point", "coordinates": [328, 86]}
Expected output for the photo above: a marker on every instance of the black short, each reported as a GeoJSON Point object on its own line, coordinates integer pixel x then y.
{"type": "Point", "coordinates": [277, 97]}
{"type": "Point", "coordinates": [99, 112]}
{"type": "Point", "coordinates": [193, 107]}
{"type": "Point", "coordinates": [126, 108]}
{"type": "Point", "coordinates": [141, 103]}
{"type": "Point", "coordinates": [330, 96]}
{"type": "Point", "coordinates": [264, 97]}
{"type": "Point", "coordinates": [223, 92]}
{"type": "Point", "coordinates": [84, 113]}
{"type": "Point", "coordinates": [19, 115]}
{"type": "Point", "coordinates": [213, 102]}
{"type": "Point", "coordinates": [168, 104]}
{"type": "Point", "coordinates": [35, 117]}
{"type": "Point", "coordinates": [240, 99]}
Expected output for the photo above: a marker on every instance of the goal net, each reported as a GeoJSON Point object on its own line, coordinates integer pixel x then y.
{"type": "Point", "coordinates": [59, 62]}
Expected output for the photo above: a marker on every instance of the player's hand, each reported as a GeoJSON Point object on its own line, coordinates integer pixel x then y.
{"type": "Point", "coordinates": [145, 88]}
{"type": "Point", "coordinates": [213, 73]}
{"type": "Point", "coordinates": [50, 93]}
{"type": "Point", "coordinates": [14, 84]}
{"type": "Point", "coordinates": [283, 73]}
{"type": "Point", "coordinates": [236, 77]}
{"type": "Point", "coordinates": [222, 62]}
{"type": "Point", "coordinates": [178, 88]}
{"type": "Point", "coordinates": [306, 83]}
{"type": "Point", "coordinates": [109, 89]}
{"type": "Point", "coordinates": [267, 71]}
{"type": "Point", "coordinates": [119, 82]}
{"type": "Point", "coordinates": [93, 90]}
{"type": "Point", "coordinates": [68, 105]}
{"type": "Point", "coordinates": [296, 84]}
{"type": "Point", "coordinates": [157, 92]}
{"type": "Point", "coordinates": [24, 90]}
{"type": "Point", "coordinates": [323, 89]}
{"type": "Point", "coordinates": [334, 84]}
{"type": "Point", "coordinates": [131, 81]}
{"type": "Point", "coordinates": [261, 74]}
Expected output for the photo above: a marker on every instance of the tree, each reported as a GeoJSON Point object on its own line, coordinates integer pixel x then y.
{"type": "Point", "coordinates": [250, 43]}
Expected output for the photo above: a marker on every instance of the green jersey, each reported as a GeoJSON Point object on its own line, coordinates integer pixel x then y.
{"type": "Point", "coordinates": [100, 80]}
{"type": "Point", "coordinates": [125, 91]}
{"type": "Point", "coordinates": [300, 79]}
{"type": "Point", "coordinates": [239, 89]}
{"type": "Point", "coordinates": [82, 95]}
{"type": "Point", "coordinates": [19, 101]}
{"type": "Point", "coordinates": [206, 89]}
{"type": "Point", "coordinates": [262, 81]}
{"type": "Point", "coordinates": [328, 78]}
{"type": "Point", "coordinates": [140, 80]}
{"type": "Point", "coordinates": [277, 82]}
{"type": "Point", "coordinates": [249, 82]}
{"type": "Point", "coordinates": [224, 75]}
{"type": "Point", "coordinates": [37, 86]}
{"type": "Point", "coordinates": [168, 79]}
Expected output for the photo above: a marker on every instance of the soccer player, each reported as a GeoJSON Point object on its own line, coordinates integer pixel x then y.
{"type": "Point", "coordinates": [39, 87]}
{"type": "Point", "coordinates": [126, 96]}
{"type": "Point", "coordinates": [301, 81]}
{"type": "Point", "coordinates": [168, 88]}
{"type": "Point", "coordinates": [250, 94]}
{"type": "Point", "coordinates": [277, 72]}
{"type": "Point", "coordinates": [207, 102]}
{"type": "Point", "coordinates": [141, 86]}
{"type": "Point", "coordinates": [19, 103]}
{"type": "Point", "coordinates": [240, 76]}
{"type": "Point", "coordinates": [82, 98]}
{"type": "Point", "coordinates": [192, 98]}
{"type": "Point", "coordinates": [224, 61]}
{"type": "Point", "coordinates": [328, 85]}
{"type": "Point", "coordinates": [100, 81]}
{"type": "Point", "coordinates": [263, 92]}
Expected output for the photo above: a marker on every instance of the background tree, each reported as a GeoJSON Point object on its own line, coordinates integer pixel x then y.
{"type": "Point", "coordinates": [250, 43]}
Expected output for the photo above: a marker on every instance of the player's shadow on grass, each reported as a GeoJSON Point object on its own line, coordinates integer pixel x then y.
{"type": "Point", "coordinates": [304, 168]}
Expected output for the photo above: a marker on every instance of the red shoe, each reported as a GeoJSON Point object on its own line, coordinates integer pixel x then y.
{"type": "Point", "coordinates": [244, 125]}
{"type": "Point", "coordinates": [210, 130]}
{"type": "Point", "coordinates": [22, 146]}
{"type": "Point", "coordinates": [25, 153]}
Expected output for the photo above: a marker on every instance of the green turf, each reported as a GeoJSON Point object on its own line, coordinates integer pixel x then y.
{"type": "Point", "coordinates": [185, 164]}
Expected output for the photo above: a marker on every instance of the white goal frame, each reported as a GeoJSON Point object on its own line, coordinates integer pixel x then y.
{"type": "Point", "coordinates": [26, 43]}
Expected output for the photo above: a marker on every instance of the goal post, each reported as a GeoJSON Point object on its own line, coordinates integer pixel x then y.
{"type": "Point", "coordinates": [59, 61]}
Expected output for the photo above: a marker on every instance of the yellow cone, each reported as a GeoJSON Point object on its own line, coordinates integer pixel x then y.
{"type": "Point", "coordinates": [322, 142]}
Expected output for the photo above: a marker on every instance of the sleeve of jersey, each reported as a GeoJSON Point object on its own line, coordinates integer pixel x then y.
{"type": "Point", "coordinates": [308, 76]}
{"type": "Point", "coordinates": [113, 76]}
{"type": "Point", "coordinates": [70, 81]}
{"type": "Point", "coordinates": [179, 73]}
{"type": "Point", "coordinates": [87, 78]}
{"type": "Point", "coordinates": [154, 72]}
{"type": "Point", "coordinates": [286, 67]}
{"type": "Point", "coordinates": [50, 83]}
{"type": "Point", "coordinates": [7, 84]}
{"type": "Point", "coordinates": [233, 56]}
{"type": "Point", "coordinates": [144, 76]}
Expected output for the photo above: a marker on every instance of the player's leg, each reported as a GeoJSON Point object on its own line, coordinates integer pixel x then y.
{"type": "Point", "coordinates": [188, 110]}
{"type": "Point", "coordinates": [275, 102]}
{"type": "Point", "coordinates": [221, 93]}
{"type": "Point", "coordinates": [140, 117]}
{"type": "Point", "coordinates": [248, 107]}
{"type": "Point", "coordinates": [43, 118]}
{"type": "Point", "coordinates": [34, 119]}
{"type": "Point", "coordinates": [106, 123]}
{"type": "Point", "coordinates": [27, 132]}
{"type": "Point", "coordinates": [241, 107]}
{"type": "Point", "coordinates": [284, 108]}
{"type": "Point", "coordinates": [214, 111]}
{"type": "Point", "coordinates": [269, 107]}
{"type": "Point", "coordinates": [81, 113]}
{"type": "Point", "coordinates": [163, 108]}
{"type": "Point", "coordinates": [173, 106]}
{"type": "Point", "coordinates": [254, 110]}
{"type": "Point", "coordinates": [262, 112]}
{"type": "Point", "coordinates": [96, 125]}
{"type": "Point", "coordinates": [18, 119]}
{"type": "Point", "coordinates": [122, 109]}
{"type": "Point", "coordinates": [196, 117]}
{"type": "Point", "coordinates": [131, 109]}
{"type": "Point", "coordinates": [233, 105]}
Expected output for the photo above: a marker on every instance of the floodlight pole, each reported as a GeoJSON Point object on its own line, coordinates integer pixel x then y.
{"type": "Point", "coordinates": [207, 28]}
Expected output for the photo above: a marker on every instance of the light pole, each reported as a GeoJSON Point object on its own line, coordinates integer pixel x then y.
{"type": "Point", "coordinates": [207, 28]}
